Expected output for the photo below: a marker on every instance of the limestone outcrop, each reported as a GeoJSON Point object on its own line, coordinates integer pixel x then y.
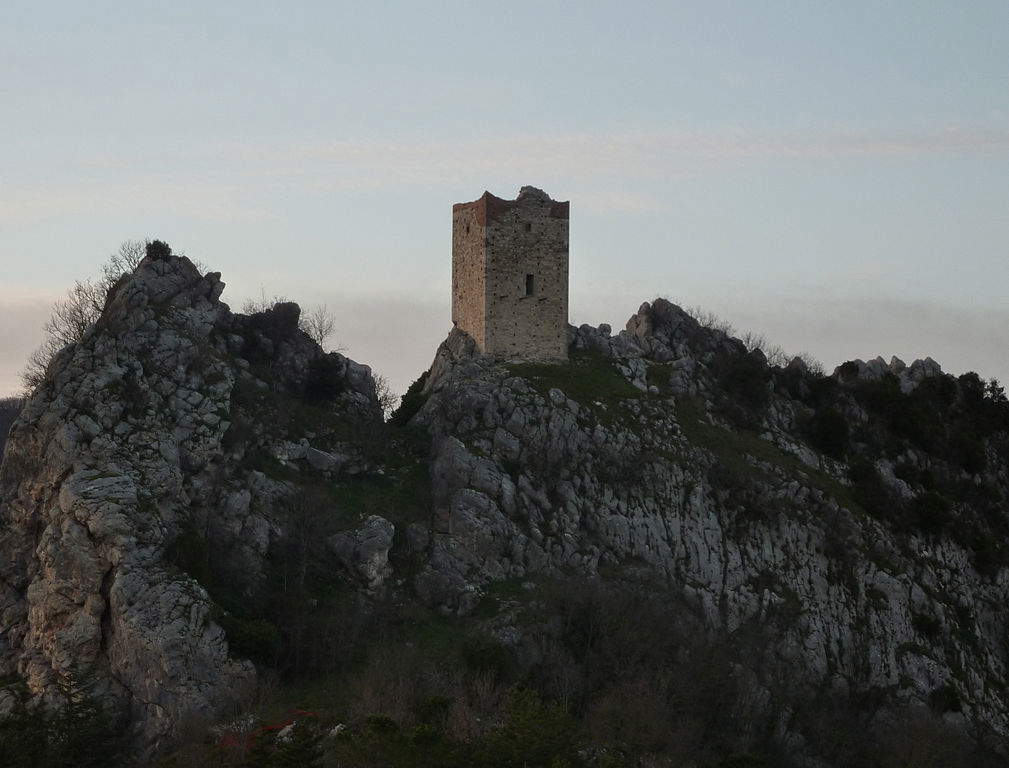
{"type": "Point", "coordinates": [778, 504]}
{"type": "Point", "coordinates": [145, 432]}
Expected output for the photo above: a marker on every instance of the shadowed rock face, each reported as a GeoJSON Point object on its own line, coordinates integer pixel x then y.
{"type": "Point", "coordinates": [122, 449]}
{"type": "Point", "coordinates": [670, 452]}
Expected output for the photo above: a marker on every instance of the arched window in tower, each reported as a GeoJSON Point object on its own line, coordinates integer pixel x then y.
{"type": "Point", "coordinates": [530, 285]}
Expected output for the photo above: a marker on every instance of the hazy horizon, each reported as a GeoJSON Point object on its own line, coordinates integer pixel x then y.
{"type": "Point", "coordinates": [832, 177]}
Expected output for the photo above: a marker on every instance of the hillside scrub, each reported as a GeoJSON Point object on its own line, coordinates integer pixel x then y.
{"type": "Point", "coordinates": [607, 676]}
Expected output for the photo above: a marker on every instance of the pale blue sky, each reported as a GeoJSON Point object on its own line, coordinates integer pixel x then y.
{"type": "Point", "coordinates": [835, 175]}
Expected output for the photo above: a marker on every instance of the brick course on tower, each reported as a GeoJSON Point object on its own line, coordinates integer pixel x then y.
{"type": "Point", "coordinates": [510, 275]}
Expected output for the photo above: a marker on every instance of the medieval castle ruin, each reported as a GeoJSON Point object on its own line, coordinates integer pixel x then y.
{"type": "Point", "coordinates": [510, 275]}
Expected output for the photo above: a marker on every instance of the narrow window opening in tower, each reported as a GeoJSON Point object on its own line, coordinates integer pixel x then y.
{"type": "Point", "coordinates": [530, 285]}
{"type": "Point", "coordinates": [467, 229]}
{"type": "Point", "coordinates": [529, 227]}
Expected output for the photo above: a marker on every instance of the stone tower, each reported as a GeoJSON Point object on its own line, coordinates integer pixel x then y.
{"type": "Point", "coordinates": [510, 275]}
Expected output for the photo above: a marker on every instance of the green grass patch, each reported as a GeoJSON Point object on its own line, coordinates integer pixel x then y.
{"type": "Point", "coordinates": [262, 461]}
{"type": "Point", "coordinates": [732, 447]}
{"type": "Point", "coordinates": [402, 498]}
{"type": "Point", "coordinates": [294, 418]}
{"type": "Point", "coordinates": [498, 593]}
{"type": "Point", "coordinates": [587, 378]}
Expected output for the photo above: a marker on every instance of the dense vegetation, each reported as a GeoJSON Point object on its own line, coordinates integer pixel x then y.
{"type": "Point", "coordinates": [78, 733]}
{"type": "Point", "coordinates": [609, 675]}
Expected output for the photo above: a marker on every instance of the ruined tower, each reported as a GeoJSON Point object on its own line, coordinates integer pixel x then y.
{"type": "Point", "coordinates": [510, 275]}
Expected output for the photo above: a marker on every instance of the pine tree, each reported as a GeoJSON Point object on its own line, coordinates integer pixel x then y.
{"type": "Point", "coordinates": [24, 731]}
{"type": "Point", "coordinates": [82, 733]}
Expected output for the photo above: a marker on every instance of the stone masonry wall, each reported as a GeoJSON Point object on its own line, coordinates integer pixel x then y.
{"type": "Point", "coordinates": [469, 268]}
{"type": "Point", "coordinates": [523, 273]}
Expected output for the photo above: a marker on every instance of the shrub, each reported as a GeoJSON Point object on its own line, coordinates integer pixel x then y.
{"type": "Point", "coordinates": [871, 492]}
{"type": "Point", "coordinates": [481, 653]}
{"type": "Point", "coordinates": [930, 512]}
{"type": "Point", "coordinates": [411, 402]}
{"type": "Point", "coordinates": [78, 732]}
{"type": "Point", "coordinates": [829, 433]}
{"type": "Point", "coordinates": [255, 639]}
{"type": "Point", "coordinates": [945, 699]}
{"type": "Point", "coordinates": [434, 710]}
{"type": "Point", "coordinates": [927, 626]}
{"type": "Point", "coordinates": [744, 377]}
{"type": "Point", "coordinates": [301, 747]}
{"type": "Point", "coordinates": [156, 249]}
{"type": "Point", "coordinates": [534, 733]}
{"type": "Point", "coordinates": [325, 379]}
{"type": "Point", "coordinates": [967, 450]}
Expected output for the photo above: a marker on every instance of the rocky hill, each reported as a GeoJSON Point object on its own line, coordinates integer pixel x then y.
{"type": "Point", "coordinates": [137, 458]}
{"type": "Point", "coordinates": [690, 553]}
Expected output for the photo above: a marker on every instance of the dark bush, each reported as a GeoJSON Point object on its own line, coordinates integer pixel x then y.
{"type": "Point", "coordinates": [254, 639]}
{"type": "Point", "coordinates": [534, 733]}
{"type": "Point", "coordinates": [481, 653]}
{"type": "Point", "coordinates": [913, 475]}
{"type": "Point", "coordinates": [280, 321]}
{"type": "Point", "coordinates": [434, 710]}
{"type": "Point", "coordinates": [156, 249]}
{"type": "Point", "coordinates": [829, 433]}
{"type": "Point", "coordinates": [967, 451]}
{"type": "Point", "coordinates": [930, 512]}
{"type": "Point", "coordinates": [411, 402]}
{"type": "Point", "coordinates": [945, 699]}
{"type": "Point", "coordinates": [744, 377]}
{"type": "Point", "coordinates": [871, 492]}
{"type": "Point", "coordinates": [76, 732]}
{"type": "Point", "coordinates": [381, 724]}
{"type": "Point", "coordinates": [325, 380]}
{"type": "Point", "coordinates": [927, 626]}
{"type": "Point", "coordinates": [302, 748]}
{"type": "Point", "coordinates": [972, 390]}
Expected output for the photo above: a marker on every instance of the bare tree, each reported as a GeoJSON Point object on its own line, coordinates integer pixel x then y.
{"type": "Point", "coordinates": [813, 365]}
{"type": "Point", "coordinates": [123, 261]}
{"type": "Point", "coordinates": [72, 315]}
{"type": "Point", "coordinates": [319, 323]}
{"type": "Point", "coordinates": [775, 355]}
{"type": "Point", "coordinates": [263, 303]}
{"type": "Point", "coordinates": [708, 319]}
{"type": "Point", "coordinates": [70, 318]}
{"type": "Point", "coordinates": [387, 399]}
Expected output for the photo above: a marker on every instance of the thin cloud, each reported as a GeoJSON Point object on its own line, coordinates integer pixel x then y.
{"type": "Point", "coordinates": [582, 156]}
{"type": "Point", "coordinates": [228, 182]}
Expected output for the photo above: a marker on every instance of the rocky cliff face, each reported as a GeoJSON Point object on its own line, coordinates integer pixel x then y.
{"type": "Point", "coordinates": [144, 432]}
{"type": "Point", "coordinates": [845, 534]}
{"type": "Point", "coordinates": [851, 527]}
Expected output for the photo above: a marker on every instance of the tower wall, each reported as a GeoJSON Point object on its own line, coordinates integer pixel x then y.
{"type": "Point", "coordinates": [510, 274]}
{"type": "Point", "coordinates": [469, 271]}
